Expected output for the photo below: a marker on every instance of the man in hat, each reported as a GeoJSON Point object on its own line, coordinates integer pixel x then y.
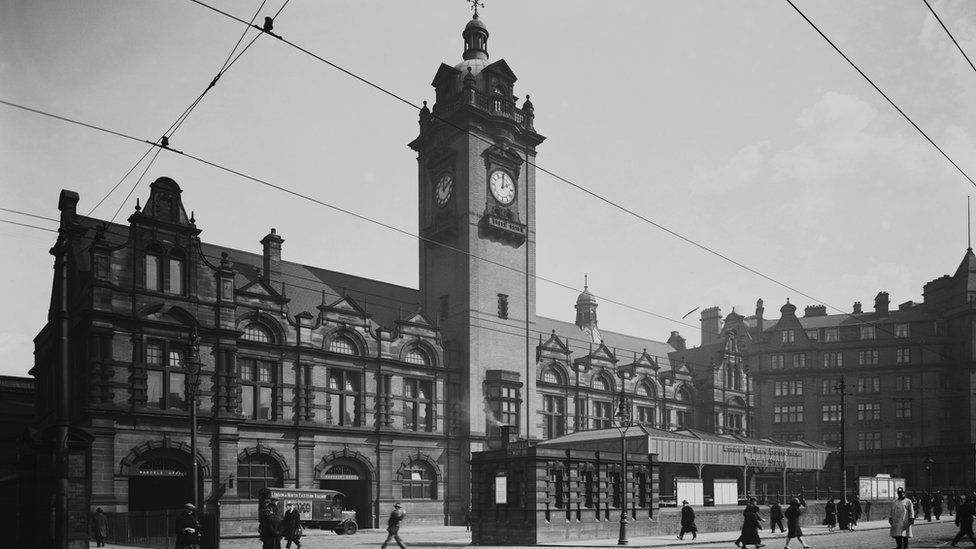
{"type": "Point", "coordinates": [393, 526]}
{"type": "Point", "coordinates": [901, 518]}
{"type": "Point", "coordinates": [292, 526]}
{"type": "Point", "coordinates": [270, 526]}
{"type": "Point", "coordinates": [187, 527]}
{"type": "Point", "coordinates": [687, 521]}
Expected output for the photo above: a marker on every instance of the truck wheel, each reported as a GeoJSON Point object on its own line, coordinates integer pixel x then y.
{"type": "Point", "coordinates": [339, 531]}
{"type": "Point", "coordinates": [350, 528]}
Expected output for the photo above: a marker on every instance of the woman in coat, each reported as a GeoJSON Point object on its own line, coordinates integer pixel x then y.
{"type": "Point", "coordinates": [750, 526]}
{"type": "Point", "coordinates": [792, 514]}
{"type": "Point", "coordinates": [843, 514]}
{"type": "Point", "coordinates": [830, 515]}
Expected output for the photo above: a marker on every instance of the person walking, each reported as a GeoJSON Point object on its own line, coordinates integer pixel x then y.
{"type": "Point", "coordinates": [750, 526]}
{"type": "Point", "coordinates": [271, 526]}
{"type": "Point", "coordinates": [964, 520]}
{"type": "Point", "coordinates": [687, 521]}
{"type": "Point", "coordinates": [927, 507]}
{"type": "Point", "coordinates": [952, 502]}
{"type": "Point", "coordinates": [901, 517]}
{"type": "Point", "coordinates": [292, 526]}
{"type": "Point", "coordinates": [856, 511]}
{"type": "Point", "coordinates": [830, 515]}
{"type": "Point", "coordinates": [187, 528]}
{"type": "Point", "coordinates": [843, 514]}
{"type": "Point", "coordinates": [99, 527]}
{"type": "Point", "coordinates": [775, 517]}
{"type": "Point", "coordinates": [937, 505]}
{"type": "Point", "coordinates": [797, 507]}
{"type": "Point", "coordinates": [393, 526]}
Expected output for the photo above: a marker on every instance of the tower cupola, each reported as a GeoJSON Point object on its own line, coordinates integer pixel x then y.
{"type": "Point", "coordinates": [475, 39]}
{"type": "Point", "coordinates": [586, 310]}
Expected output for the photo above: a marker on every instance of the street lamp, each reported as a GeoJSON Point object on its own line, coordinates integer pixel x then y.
{"type": "Point", "coordinates": [192, 366]}
{"type": "Point", "coordinates": [623, 423]}
{"type": "Point", "coordinates": [928, 469]}
{"type": "Point", "coordinates": [841, 386]}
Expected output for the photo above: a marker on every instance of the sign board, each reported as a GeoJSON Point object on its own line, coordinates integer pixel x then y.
{"type": "Point", "coordinates": [501, 489]}
{"type": "Point", "coordinates": [883, 487]}
{"type": "Point", "coordinates": [691, 489]}
{"type": "Point", "coordinates": [726, 491]}
{"type": "Point", "coordinates": [517, 448]}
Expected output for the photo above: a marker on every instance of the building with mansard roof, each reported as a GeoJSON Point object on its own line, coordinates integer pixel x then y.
{"type": "Point", "coordinates": [310, 378]}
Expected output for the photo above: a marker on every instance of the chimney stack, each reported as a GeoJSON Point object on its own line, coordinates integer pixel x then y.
{"type": "Point", "coordinates": [881, 304]}
{"type": "Point", "coordinates": [857, 308]}
{"type": "Point", "coordinates": [272, 258]}
{"type": "Point", "coordinates": [677, 341]}
{"type": "Point", "coordinates": [711, 325]}
{"type": "Point", "coordinates": [759, 315]}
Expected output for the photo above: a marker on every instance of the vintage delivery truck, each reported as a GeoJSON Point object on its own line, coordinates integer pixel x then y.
{"type": "Point", "coordinates": [317, 508]}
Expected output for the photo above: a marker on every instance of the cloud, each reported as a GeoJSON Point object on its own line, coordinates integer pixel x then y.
{"type": "Point", "coordinates": [742, 168]}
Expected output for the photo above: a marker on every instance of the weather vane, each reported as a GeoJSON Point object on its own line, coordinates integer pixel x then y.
{"type": "Point", "coordinates": [475, 4]}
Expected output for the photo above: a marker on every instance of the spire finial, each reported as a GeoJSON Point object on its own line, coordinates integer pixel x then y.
{"type": "Point", "coordinates": [586, 282]}
{"type": "Point", "coordinates": [969, 228]}
{"type": "Point", "coordinates": [475, 4]}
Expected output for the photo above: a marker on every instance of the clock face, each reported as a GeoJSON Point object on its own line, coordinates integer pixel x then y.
{"type": "Point", "coordinates": [502, 187]}
{"type": "Point", "coordinates": [443, 189]}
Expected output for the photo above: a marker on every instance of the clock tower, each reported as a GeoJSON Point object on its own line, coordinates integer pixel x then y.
{"type": "Point", "coordinates": [476, 186]}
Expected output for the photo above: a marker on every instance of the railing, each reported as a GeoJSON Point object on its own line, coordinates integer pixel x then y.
{"type": "Point", "coordinates": [155, 529]}
{"type": "Point", "coordinates": [493, 104]}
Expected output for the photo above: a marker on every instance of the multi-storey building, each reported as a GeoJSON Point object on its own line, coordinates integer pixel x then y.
{"type": "Point", "coordinates": [906, 375]}
{"type": "Point", "coordinates": [310, 378]}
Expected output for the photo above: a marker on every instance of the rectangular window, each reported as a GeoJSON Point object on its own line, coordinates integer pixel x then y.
{"type": "Point", "coordinates": [833, 360]}
{"type": "Point", "coordinates": [903, 384]}
{"type": "Point", "coordinates": [154, 353]}
{"type": "Point", "coordinates": [828, 386]}
{"type": "Point", "coordinates": [177, 391]}
{"type": "Point", "coordinates": [901, 330]}
{"type": "Point", "coordinates": [869, 411]}
{"type": "Point", "coordinates": [602, 415]}
{"type": "Point", "coordinates": [830, 413]}
{"type": "Point", "coordinates": [502, 306]}
{"type": "Point", "coordinates": [175, 282]}
{"type": "Point", "coordinates": [152, 272]}
{"type": "Point", "coordinates": [788, 336]}
{"type": "Point", "coordinates": [503, 403]}
{"type": "Point", "coordinates": [867, 332]}
{"type": "Point", "coordinates": [799, 360]}
{"type": "Point", "coordinates": [903, 439]}
{"type": "Point", "coordinates": [903, 355]}
{"type": "Point", "coordinates": [868, 357]}
{"type": "Point", "coordinates": [154, 389]}
{"type": "Point", "coordinates": [903, 408]}
{"type": "Point", "coordinates": [831, 334]}
{"type": "Point", "coordinates": [344, 397]}
{"type": "Point", "coordinates": [554, 412]}
{"type": "Point", "coordinates": [417, 405]}
{"type": "Point", "coordinates": [257, 379]}
{"type": "Point", "coordinates": [831, 439]}
{"type": "Point", "coordinates": [868, 385]}
{"type": "Point", "coordinates": [681, 418]}
{"type": "Point", "coordinates": [788, 388]}
{"type": "Point", "coordinates": [776, 362]}
{"type": "Point", "coordinates": [788, 414]}
{"type": "Point", "coordinates": [646, 415]}
{"type": "Point", "coordinates": [247, 400]}
{"type": "Point", "coordinates": [813, 335]}
{"type": "Point", "coordinates": [265, 403]}
{"type": "Point", "coordinates": [869, 440]}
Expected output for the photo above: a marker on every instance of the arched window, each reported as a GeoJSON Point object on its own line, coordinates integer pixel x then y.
{"type": "Point", "coordinates": [418, 357]}
{"type": "Point", "coordinates": [257, 332]}
{"type": "Point", "coordinates": [552, 375]}
{"type": "Point", "coordinates": [255, 472]}
{"type": "Point", "coordinates": [343, 345]}
{"type": "Point", "coordinates": [418, 481]}
{"type": "Point", "coordinates": [646, 390]}
{"type": "Point", "coordinates": [601, 383]}
{"type": "Point", "coordinates": [681, 395]}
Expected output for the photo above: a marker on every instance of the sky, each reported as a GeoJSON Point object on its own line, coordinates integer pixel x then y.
{"type": "Point", "coordinates": [732, 124]}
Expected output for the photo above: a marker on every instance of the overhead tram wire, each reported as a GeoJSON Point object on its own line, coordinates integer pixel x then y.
{"type": "Point", "coordinates": [883, 94]}
{"type": "Point", "coordinates": [560, 178]}
{"type": "Point", "coordinates": [951, 37]}
{"type": "Point", "coordinates": [367, 219]}
{"type": "Point", "coordinates": [224, 67]}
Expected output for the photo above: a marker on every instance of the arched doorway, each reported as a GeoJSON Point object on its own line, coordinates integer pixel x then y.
{"type": "Point", "coordinates": [160, 481]}
{"type": "Point", "coordinates": [353, 481]}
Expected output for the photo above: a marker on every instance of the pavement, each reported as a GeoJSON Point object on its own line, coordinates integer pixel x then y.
{"type": "Point", "coordinates": [457, 536]}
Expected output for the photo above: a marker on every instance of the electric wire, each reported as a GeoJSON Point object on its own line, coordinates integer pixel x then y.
{"type": "Point", "coordinates": [883, 94]}
{"type": "Point", "coordinates": [19, 212]}
{"type": "Point", "coordinates": [136, 184]}
{"type": "Point", "coordinates": [567, 181]}
{"type": "Point", "coordinates": [27, 225]}
{"type": "Point", "coordinates": [951, 37]}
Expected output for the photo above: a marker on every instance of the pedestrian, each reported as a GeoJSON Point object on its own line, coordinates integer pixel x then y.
{"type": "Point", "coordinates": [187, 528]}
{"type": "Point", "coordinates": [270, 528]}
{"type": "Point", "coordinates": [775, 517]}
{"type": "Point", "coordinates": [964, 520]}
{"type": "Point", "coordinates": [750, 526]}
{"type": "Point", "coordinates": [951, 503]}
{"type": "Point", "coordinates": [687, 521]}
{"type": "Point", "coordinates": [843, 514]}
{"type": "Point", "coordinates": [99, 527]}
{"type": "Point", "coordinates": [797, 507]}
{"type": "Point", "coordinates": [901, 517]}
{"type": "Point", "coordinates": [856, 511]}
{"type": "Point", "coordinates": [830, 515]}
{"type": "Point", "coordinates": [393, 526]}
{"type": "Point", "coordinates": [927, 506]}
{"type": "Point", "coordinates": [291, 525]}
{"type": "Point", "coordinates": [937, 505]}
{"type": "Point", "coordinates": [467, 519]}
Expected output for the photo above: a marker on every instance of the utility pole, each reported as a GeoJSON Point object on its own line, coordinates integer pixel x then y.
{"type": "Point", "coordinates": [842, 386]}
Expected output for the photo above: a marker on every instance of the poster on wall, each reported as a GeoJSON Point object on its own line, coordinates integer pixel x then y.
{"type": "Point", "coordinates": [501, 489]}
{"type": "Point", "coordinates": [691, 489]}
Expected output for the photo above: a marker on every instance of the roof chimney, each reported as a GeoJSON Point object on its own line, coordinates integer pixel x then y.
{"type": "Point", "coordinates": [881, 304]}
{"type": "Point", "coordinates": [711, 325]}
{"type": "Point", "coordinates": [759, 315]}
{"type": "Point", "coordinates": [677, 341]}
{"type": "Point", "coordinates": [857, 308]}
{"type": "Point", "coordinates": [272, 258]}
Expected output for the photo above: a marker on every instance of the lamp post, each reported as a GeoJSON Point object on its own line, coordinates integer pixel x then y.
{"type": "Point", "coordinates": [928, 470]}
{"type": "Point", "coordinates": [192, 366]}
{"type": "Point", "coordinates": [623, 423]}
{"type": "Point", "coordinates": [842, 386]}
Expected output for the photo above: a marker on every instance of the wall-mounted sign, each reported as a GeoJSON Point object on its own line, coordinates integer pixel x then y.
{"type": "Point", "coordinates": [501, 489]}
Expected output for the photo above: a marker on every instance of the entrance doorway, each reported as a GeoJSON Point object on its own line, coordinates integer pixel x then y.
{"type": "Point", "coordinates": [160, 483]}
{"type": "Point", "coordinates": [355, 485]}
